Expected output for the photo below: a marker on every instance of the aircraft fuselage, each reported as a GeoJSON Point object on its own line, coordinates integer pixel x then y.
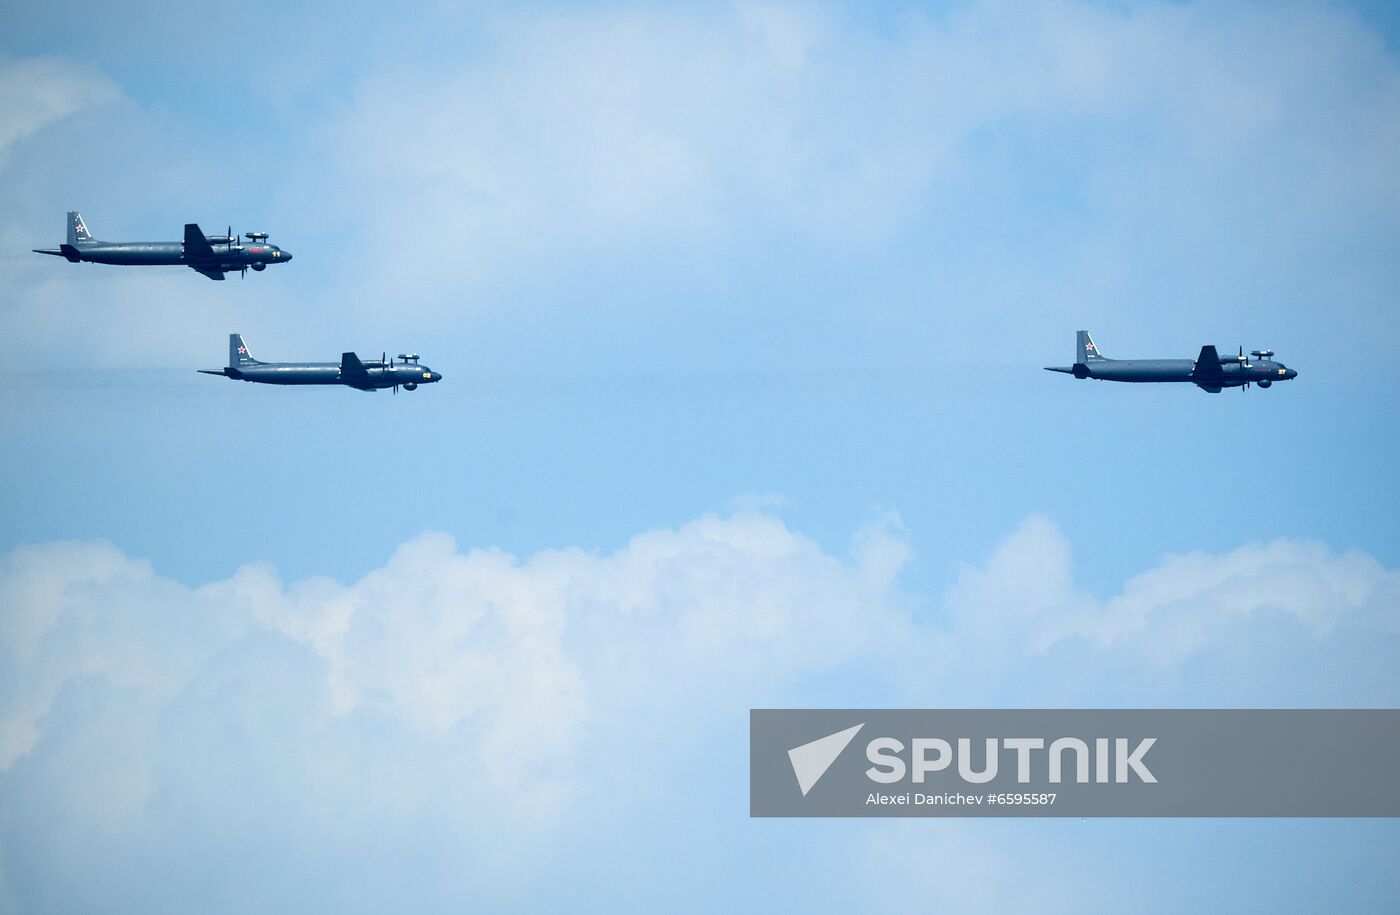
{"type": "Point", "coordinates": [211, 255]}
{"type": "Point", "coordinates": [1209, 371]}
{"type": "Point", "coordinates": [1139, 371]}
{"type": "Point", "coordinates": [351, 371]}
{"type": "Point", "coordinates": [157, 253]}
{"type": "Point", "coordinates": [378, 376]}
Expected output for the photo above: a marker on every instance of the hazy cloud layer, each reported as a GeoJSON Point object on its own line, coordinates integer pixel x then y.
{"type": "Point", "coordinates": [1032, 166]}
{"type": "Point", "coordinates": [1049, 144]}
{"type": "Point", "coordinates": [39, 91]}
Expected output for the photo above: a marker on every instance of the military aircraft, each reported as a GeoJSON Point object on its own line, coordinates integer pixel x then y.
{"type": "Point", "coordinates": [365, 375]}
{"type": "Point", "coordinates": [1209, 371]}
{"type": "Point", "coordinates": [211, 255]}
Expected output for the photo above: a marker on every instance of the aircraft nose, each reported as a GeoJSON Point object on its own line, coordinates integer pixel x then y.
{"type": "Point", "coordinates": [437, 376]}
{"type": "Point", "coordinates": [1292, 373]}
{"type": "Point", "coordinates": [286, 255]}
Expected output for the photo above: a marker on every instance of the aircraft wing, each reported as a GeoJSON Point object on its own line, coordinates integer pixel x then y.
{"type": "Point", "coordinates": [353, 372]}
{"type": "Point", "coordinates": [197, 247]}
{"type": "Point", "coordinates": [1207, 374]}
{"type": "Point", "coordinates": [213, 273]}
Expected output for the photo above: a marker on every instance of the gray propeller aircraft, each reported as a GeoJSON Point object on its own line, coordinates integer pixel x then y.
{"type": "Point", "coordinates": [363, 375]}
{"type": "Point", "coordinates": [211, 255]}
{"type": "Point", "coordinates": [1209, 371]}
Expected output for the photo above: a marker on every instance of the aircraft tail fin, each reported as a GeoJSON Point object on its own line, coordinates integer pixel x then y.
{"type": "Point", "coordinates": [238, 353]}
{"type": "Point", "coordinates": [77, 230]}
{"type": "Point", "coordinates": [1087, 352]}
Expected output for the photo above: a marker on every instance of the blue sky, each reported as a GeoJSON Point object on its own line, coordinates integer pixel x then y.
{"type": "Point", "coordinates": [742, 310]}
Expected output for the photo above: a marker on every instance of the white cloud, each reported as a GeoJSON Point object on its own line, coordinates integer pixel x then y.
{"type": "Point", "coordinates": [1023, 604]}
{"type": "Point", "coordinates": [1170, 611]}
{"type": "Point", "coordinates": [509, 711]}
{"type": "Point", "coordinates": [436, 638]}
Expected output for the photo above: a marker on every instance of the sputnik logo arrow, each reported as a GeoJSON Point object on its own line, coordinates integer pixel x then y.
{"type": "Point", "coordinates": [811, 760]}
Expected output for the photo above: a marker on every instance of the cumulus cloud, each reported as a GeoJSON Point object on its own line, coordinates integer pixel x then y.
{"type": "Point", "coordinates": [478, 704]}
{"type": "Point", "coordinates": [437, 638]}
{"type": "Point", "coordinates": [1023, 607]}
